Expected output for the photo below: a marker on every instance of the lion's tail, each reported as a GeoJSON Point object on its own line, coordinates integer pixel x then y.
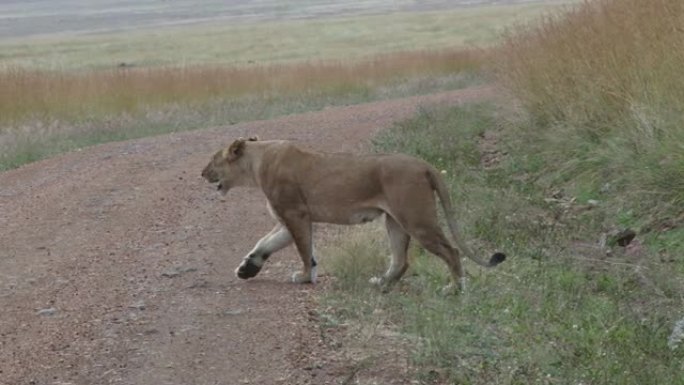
{"type": "Point", "coordinates": [443, 194]}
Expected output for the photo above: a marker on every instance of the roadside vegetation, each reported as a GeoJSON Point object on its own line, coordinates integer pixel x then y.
{"type": "Point", "coordinates": [607, 77]}
{"type": "Point", "coordinates": [593, 148]}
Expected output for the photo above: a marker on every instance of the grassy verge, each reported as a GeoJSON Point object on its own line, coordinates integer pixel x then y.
{"type": "Point", "coordinates": [564, 309]}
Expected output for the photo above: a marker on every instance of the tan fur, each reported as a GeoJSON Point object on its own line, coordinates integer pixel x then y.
{"type": "Point", "coordinates": [304, 186]}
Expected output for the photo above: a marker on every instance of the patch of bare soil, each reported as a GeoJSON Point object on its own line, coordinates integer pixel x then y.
{"type": "Point", "coordinates": [490, 149]}
{"type": "Point", "coordinates": [116, 263]}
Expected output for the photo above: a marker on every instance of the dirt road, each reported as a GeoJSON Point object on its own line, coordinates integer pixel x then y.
{"type": "Point", "coordinates": [116, 262]}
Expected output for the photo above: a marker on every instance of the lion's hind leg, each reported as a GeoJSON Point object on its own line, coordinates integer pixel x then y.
{"type": "Point", "coordinates": [399, 242]}
{"type": "Point", "coordinates": [275, 240]}
{"type": "Point", "coordinates": [435, 242]}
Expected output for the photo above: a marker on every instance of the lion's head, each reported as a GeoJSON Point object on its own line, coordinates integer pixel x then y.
{"type": "Point", "coordinates": [226, 167]}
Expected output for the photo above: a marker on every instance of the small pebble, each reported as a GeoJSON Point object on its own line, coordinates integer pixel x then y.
{"type": "Point", "coordinates": [170, 273]}
{"type": "Point", "coordinates": [140, 305]}
{"type": "Point", "coordinates": [47, 312]}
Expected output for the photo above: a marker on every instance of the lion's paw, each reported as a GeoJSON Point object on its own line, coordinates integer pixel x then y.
{"type": "Point", "coordinates": [314, 274]}
{"type": "Point", "coordinates": [376, 281]}
{"type": "Point", "coordinates": [247, 269]}
{"type": "Point", "coordinates": [301, 277]}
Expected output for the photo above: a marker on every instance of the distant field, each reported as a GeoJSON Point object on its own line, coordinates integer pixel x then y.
{"type": "Point", "coordinates": [20, 18]}
{"type": "Point", "coordinates": [162, 33]}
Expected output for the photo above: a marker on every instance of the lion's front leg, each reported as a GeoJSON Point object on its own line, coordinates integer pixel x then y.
{"type": "Point", "coordinates": [303, 276]}
{"type": "Point", "coordinates": [299, 225]}
{"type": "Point", "coordinates": [275, 240]}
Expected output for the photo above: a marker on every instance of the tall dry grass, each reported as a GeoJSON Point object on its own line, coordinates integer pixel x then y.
{"type": "Point", "coordinates": [603, 83]}
{"type": "Point", "coordinates": [43, 95]}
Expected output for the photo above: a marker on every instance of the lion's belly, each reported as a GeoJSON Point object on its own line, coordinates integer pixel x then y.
{"type": "Point", "coordinates": [344, 216]}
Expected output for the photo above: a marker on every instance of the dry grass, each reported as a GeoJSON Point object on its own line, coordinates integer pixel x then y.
{"type": "Point", "coordinates": [40, 95]}
{"type": "Point", "coordinates": [604, 87]}
{"type": "Point", "coordinates": [46, 113]}
{"type": "Point", "coordinates": [599, 61]}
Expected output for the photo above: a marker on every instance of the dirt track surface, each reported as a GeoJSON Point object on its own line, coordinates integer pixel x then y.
{"type": "Point", "coordinates": [116, 262]}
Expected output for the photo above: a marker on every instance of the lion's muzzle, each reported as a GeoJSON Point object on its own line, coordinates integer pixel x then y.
{"type": "Point", "coordinates": [210, 174]}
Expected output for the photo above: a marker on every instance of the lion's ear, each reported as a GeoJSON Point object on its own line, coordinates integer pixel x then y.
{"type": "Point", "coordinates": [235, 150]}
{"type": "Point", "coordinates": [253, 138]}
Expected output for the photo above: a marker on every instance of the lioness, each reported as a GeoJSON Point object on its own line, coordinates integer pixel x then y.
{"type": "Point", "coordinates": [303, 186]}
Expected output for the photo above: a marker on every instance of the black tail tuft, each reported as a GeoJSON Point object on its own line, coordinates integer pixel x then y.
{"type": "Point", "coordinates": [497, 258]}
